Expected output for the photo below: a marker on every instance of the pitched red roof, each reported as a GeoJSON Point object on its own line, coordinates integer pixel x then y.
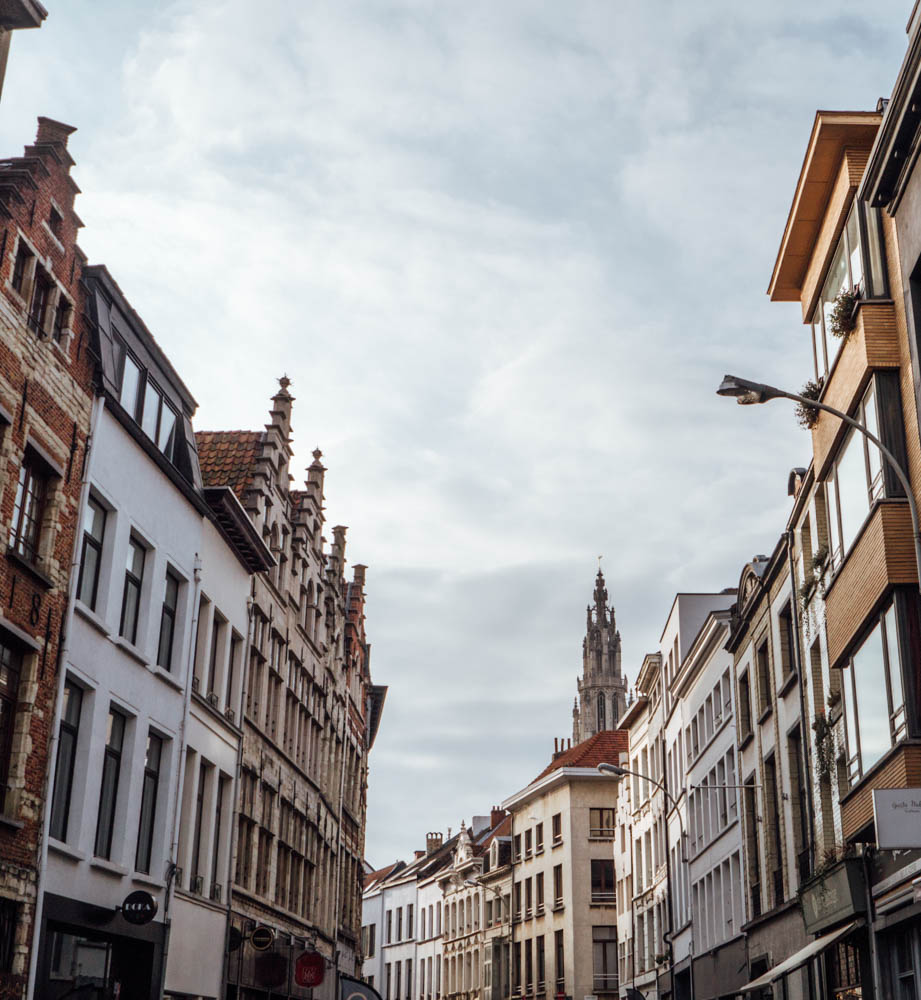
{"type": "Point", "coordinates": [381, 873]}
{"type": "Point", "coordinates": [603, 747]}
{"type": "Point", "coordinates": [228, 458]}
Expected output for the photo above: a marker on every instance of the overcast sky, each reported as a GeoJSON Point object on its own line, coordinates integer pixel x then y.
{"type": "Point", "coordinates": [505, 250]}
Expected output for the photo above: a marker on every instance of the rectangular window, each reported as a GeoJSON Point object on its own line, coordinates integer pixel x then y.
{"type": "Point", "coordinates": [873, 696]}
{"type": "Point", "coordinates": [517, 843]}
{"type": "Point", "coordinates": [389, 922]}
{"type": "Point", "coordinates": [67, 754]}
{"type": "Point", "coordinates": [94, 523]}
{"type": "Point", "coordinates": [148, 816]}
{"type": "Point", "coordinates": [601, 822]}
{"type": "Point", "coordinates": [129, 395]}
{"type": "Point", "coordinates": [539, 888]}
{"type": "Point", "coordinates": [23, 256]}
{"type": "Point", "coordinates": [560, 969]}
{"type": "Point", "coordinates": [604, 959]}
{"type": "Point", "coordinates": [603, 881]}
{"type": "Point", "coordinates": [539, 838]}
{"type": "Point", "coordinates": [61, 319]}
{"type": "Point", "coordinates": [29, 508]}
{"type": "Point", "coordinates": [108, 791]}
{"type": "Point", "coordinates": [541, 962]}
{"type": "Point", "coordinates": [787, 651]}
{"type": "Point", "coordinates": [168, 622]}
{"type": "Point", "coordinates": [9, 913]}
{"type": "Point", "coordinates": [409, 920]}
{"type": "Point", "coordinates": [745, 708]}
{"type": "Point", "coordinates": [557, 885]}
{"type": "Point", "coordinates": [131, 597]}
{"type": "Point", "coordinates": [408, 964]}
{"type": "Point", "coordinates": [763, 665]}
{"type": "Point", "coordinates": [42, 289]}
{"type": "Point", "coordinates": [527, 843]}
{"type": "Point", "coordinates": [387, 981]}
{"type": "Point", "coordinates": [556, 824]}
{"type": "Point", "coordinates": [10, 671]}
{"type": "Point", "coordinates": [196, 880]}
{"type": "Point", "coordinates": [217, 634]}
{"type": "Point", "coordinates": [400, 923]}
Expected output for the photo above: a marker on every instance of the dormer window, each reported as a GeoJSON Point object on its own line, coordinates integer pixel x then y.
{"type": "Point", "coordinates": [146, 404]}
{"type": "Point", "coordinates": [856, 266]}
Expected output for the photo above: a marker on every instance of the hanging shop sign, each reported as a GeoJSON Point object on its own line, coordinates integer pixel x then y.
{"type": "Point", "coordinates": [262, 938]}
{"type": "Point", "coordinates": [833, 896]}
{"type": "Point", "coordinates": [139, 907]}
{"type": "Point", "coordinates": [897, 816]}
{"type": "Point", "coordinates": [309, 969]}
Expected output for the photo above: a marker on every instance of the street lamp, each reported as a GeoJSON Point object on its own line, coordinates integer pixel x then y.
{"type": "Point", "coordinates": [747, 393]}
{"type": "Point", "coordinates": [617, 771]}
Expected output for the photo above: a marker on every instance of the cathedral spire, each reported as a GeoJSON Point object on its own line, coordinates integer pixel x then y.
{"type": "Point", "coordinates": [602, 693]}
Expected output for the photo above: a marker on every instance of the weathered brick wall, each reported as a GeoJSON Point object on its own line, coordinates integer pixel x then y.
{"type": "Point", "coordinates": [46, 393]}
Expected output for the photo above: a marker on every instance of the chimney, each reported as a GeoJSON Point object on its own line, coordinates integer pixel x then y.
{"type": "Point", "coordinates": [496, 815]}
{"type": "Point", "coordinates": [52, 132]}
{"type": "Point", "coordinates": [419, 854]}
{"type": "Point", "coordinates": [433, 842]}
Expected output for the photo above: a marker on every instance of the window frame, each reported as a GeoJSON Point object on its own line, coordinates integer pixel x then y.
{"type": "Point", "coordinates": [68, 726]}
{"type": "Point", "coordinates": [133, 581]}
{"type": "Point", "coordinates": [109, 782]}
{"type": "Point", "coordinates": [150, 786]}
{"type": "Point", "coordinates": [25, 541]}
{"type": "Point", "coordinates": [89, 540]}
{"type": "Point", "coordinates": [11, 668]}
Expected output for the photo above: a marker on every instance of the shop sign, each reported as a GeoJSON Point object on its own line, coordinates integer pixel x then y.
{"type": "Point", "coordinates": [139, 907]}
{"type": "Point", "coordinates": [262, 938]}
{"type": "Point", "coordinates": [897, 816]}
{"type": "Point", "coordinates": [833, 896]}
{"type": "Point", "coordinates": [309, 969]}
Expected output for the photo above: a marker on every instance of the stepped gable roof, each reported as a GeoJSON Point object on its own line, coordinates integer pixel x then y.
{"type": "Point", "coordinates": [228, 458]}
{"type": "Point", "coordinates": [603, 747]}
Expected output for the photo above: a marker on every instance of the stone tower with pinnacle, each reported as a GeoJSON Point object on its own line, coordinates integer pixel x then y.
{"type": "Point", "coordinates": [602, 696]}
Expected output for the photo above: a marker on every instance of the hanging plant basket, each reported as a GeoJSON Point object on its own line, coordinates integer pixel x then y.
{"type": "Point", "coordinates": [808, 415]}
{"type": "Point", "coordinates": [843, 317]}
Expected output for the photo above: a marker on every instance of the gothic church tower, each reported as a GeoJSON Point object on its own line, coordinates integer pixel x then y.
{"type": "Point", "coordinates": [602, 690]}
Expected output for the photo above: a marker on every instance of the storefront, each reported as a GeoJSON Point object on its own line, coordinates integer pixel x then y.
{"type": "Point", "coordinates": [264, 961]}
{"type": "Point", "coordinates": [95, 953]}
{"type": "Point", "coordinates": [896, 883]}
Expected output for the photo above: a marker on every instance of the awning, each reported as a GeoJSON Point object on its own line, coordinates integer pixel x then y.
{"type": "Point", "coordinates": [799, 958]}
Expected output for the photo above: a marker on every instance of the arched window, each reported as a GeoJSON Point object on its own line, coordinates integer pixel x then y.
{"type": "Point", "coordinates": [601, 719]}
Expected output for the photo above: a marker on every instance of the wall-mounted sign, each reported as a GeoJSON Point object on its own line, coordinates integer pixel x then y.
{"type": "Point", "coordinates": [897, 815]}
{"type": "Point", "coordinates": [309, 969]}
{"type": "Point", "coordinates": [262, 938]}
{"type": "Point", "coordinates": [833, 896]}
{"type": "Point", "coordinates": [139, 907]}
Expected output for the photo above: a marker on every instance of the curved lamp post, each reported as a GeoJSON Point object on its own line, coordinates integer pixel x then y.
{"type": "Point", "coordinates": [747, 393]}
{"type": "Point", "coordinates": [616, 771]}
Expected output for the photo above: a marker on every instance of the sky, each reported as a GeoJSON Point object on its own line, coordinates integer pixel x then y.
{"type": "Point", "coordinates": [505, 251]}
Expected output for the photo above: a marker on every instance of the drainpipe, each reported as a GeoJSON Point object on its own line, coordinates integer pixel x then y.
{"type": "Point", "coordinates": [798, 666]}
{"type": "Point", "coordinates": [339, 855]}
{"type": "Point", "coordinates": [235, 791]}
{"type": "Point", "coordinates": [180, 766]}
{"type": "Point", "coordinates": [63, 650]}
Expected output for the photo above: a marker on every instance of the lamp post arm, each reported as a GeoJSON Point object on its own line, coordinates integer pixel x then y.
{"type": "Point", "coordinates": [886, 453]}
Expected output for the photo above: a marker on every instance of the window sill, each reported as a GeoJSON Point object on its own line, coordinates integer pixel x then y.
{"type": "Point", "coordinates": [10, 822]}
{"type": "Point", "coordinates": [65, 850]}
{"type": "Point", "coordinates": [765, 715]}
{"type": "Point", "coordinates": [746, 739]}
{"type": "Point", "coordinates": [109, 867]}
{"type": "Point", "coordinates": [165, 676]}
{"type": "Point", "coordinates": [788, 682]}
{"type": "Point", "coordinates": [143, 879]}
{"type": "Point", "coordinates": [30, 568]}
{"type": "Point", "coordinates": [90, 616]}
{"type": "Point", "coordinates": [557, 906]}
{"type": "Point", "coordinates": [557, 843]}
{"type": "Point", "coordinates": [130, 650]}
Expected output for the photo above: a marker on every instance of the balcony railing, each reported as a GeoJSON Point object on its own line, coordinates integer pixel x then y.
{"type": "Point", "coordinates": [601, 831]}
{"type": "Point", "coordinates": [598, 896]}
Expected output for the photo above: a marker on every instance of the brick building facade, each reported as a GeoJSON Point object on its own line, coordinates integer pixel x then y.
{"type": "Point", "coordinates": [45, 406]}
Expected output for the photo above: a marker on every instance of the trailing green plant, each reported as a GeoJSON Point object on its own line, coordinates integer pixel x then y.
{"type": "Point", "coordinates": [824, 746]}
{"type": "Point", "coordinates": [807, 589]}
{"type": "Point", "coordinates": [807, 415]}
{"type": "Point", "coordinates": [842, 320]}
{"type": "Point", "coordinates": [820, 557]}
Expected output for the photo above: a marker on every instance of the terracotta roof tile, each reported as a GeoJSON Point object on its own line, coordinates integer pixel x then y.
{"type": "Point", "coordinates": [228, 458]}
{"type": "Point", "coordinates": [603, 747]}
